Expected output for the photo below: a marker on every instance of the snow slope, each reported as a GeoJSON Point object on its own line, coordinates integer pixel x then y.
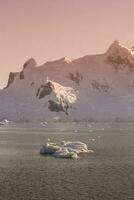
{"type": "Point", "coordinates": [93, 87]}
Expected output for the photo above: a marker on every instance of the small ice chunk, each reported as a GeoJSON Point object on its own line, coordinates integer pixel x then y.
{"type": "Point", "coordinates": [56, 118]}
{"type": "Point", "coordinates": [73, 122]}
{"type": "Point", "coordinates": [1, 123]}
{"type": "Point", "coordinates": [89, 126]}
{"type": "Point", "coordinates": [92, 139]}
{"type": "Point", "coordinates": [44, 123]}
{"type": "Point", "coordinates": [63, 152]}
{"type": "Point", "coordinates": [79, 146]}
{"type": "Point", "coordinates": [6, 121]}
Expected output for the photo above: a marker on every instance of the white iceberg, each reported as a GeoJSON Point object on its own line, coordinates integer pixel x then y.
{"type": "Point", "coordinates": [67, 149]}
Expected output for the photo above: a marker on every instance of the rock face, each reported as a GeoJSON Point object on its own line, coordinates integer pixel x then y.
{"type": "Point", "coordinates": [22, 75]}
{"type": "Point", "coordinates": [56, 105]}
{"type": "Point", "coordinates": [120, 57]}
{"type": "Point", "coordinates": [45, 90]}
{"type": "Point", "coordinates": [75, 77]}
{"type": "Point", "coordinates": [101, 87]}
{"type": "Point", "coordinates": [94, 87]}
{"type": "Point", "coordinates": [29, 63]}
{"type": "Point", "coordinates": [11, 78]}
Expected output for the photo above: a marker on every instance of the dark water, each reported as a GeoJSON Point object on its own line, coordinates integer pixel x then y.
{"type": "Point", "coordinates": [108, 174]}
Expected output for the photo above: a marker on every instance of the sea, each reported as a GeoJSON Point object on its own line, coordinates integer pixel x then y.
{"type": "Point", "coordinates": [105, 174]}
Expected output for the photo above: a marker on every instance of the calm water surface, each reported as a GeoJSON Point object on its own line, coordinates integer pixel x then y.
{"type": "Point", "coordinates": [107, 174]}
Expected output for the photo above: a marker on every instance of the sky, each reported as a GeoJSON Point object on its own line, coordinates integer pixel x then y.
{"type": "Point", "coordinates": [51, 29]}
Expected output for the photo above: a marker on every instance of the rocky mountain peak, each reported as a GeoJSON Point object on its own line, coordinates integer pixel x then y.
{"type": "Point", "coordinates": [11, 78]}
{"type": "Point", "coordinates": [30, 63]}
{"type": "Point", "coordinates": [116, 48]}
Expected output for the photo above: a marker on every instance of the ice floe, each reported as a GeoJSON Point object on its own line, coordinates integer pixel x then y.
{"type": "Point", "coordinates": [64, 152]}
{"type": "Point", "coordinates": [1, 123]}
{"type": "Point", "coordinates": [4, 122]}
{"type": "Point", "coordinates": [66, 149]}
{"type": "Point", "coordinates": [44, 123]}
{"type": "Point", "coordinates": [79, 146]}
{"type": "Point", "coordinates": [91, 139]}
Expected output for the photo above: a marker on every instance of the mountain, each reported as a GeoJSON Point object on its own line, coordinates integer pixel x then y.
{"type": "Point", "coordinates": [93, 87]}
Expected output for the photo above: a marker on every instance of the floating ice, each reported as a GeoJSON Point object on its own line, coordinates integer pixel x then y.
{"type": "Point", "coordinates": [1, 123]}
{"type": "Point", "coordinates": [4, 122]}
{"type": "Point", "coordinates": [66, 149]}
{"type": "Point", "coordinates": [92, 139]}
{"type": "Point", "coordinates": [73, 122]}
{"type": "Point", "coordinates": [44, 123]}
{"type": "Point", "coordinates": [49, 148]}
{"type": "Point", "coordinates": [79, 146]}
{"type": "Point", "coordinates": [64, 152]}
{"type": "Point", "coordinates": [89, 126]}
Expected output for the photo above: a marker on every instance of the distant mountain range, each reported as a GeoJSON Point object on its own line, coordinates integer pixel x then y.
{"type": "Point", "coordinates": [93, 87]}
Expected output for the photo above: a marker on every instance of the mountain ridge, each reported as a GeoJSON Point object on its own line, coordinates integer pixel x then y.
{"type": "Point", "coordinates": [101, 86]}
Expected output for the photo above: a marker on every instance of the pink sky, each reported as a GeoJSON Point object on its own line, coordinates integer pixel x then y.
{"type": "Point", "coordinates": [51, 29]}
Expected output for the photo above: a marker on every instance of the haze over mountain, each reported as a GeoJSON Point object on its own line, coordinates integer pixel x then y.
{"type": "Point", "coordinates": [93, 87]}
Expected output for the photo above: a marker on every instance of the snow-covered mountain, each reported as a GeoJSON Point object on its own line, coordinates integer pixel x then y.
{"type": "Point", "coordinates": [93, 87]}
